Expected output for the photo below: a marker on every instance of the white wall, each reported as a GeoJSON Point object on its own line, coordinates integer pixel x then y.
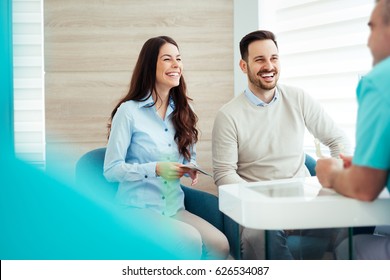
{"type": "Point", "coordinates": [246, 19]}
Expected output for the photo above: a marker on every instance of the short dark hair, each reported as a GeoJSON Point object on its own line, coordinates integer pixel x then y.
{"type": "Point", "coordinates": [255, 36]}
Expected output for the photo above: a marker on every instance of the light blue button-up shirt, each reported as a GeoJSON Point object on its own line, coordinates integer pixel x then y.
{"type": "Point", "coordinates": [139, 139]}
{"type": "Point", "coordinates": [257, 101]}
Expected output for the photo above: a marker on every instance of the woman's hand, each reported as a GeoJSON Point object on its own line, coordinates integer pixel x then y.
{"type": "Point", "coordinates": [175, 170]}
{"type": "Point", "coordinates": [170, 170]}
{"type": "Point", "coordinates": [194, 176]}
{"type": "Point", "coordinates": [192, 173]}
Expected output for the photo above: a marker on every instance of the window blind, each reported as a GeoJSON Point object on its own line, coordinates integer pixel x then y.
{"type": "Point", "coordinates": [29, 124]}
{"type": "Point", "coordinates": [323, 49]}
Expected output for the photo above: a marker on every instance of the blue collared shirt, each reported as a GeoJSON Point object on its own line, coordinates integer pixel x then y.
{"type": "Point", "coordinates": [139, 139]}
{"type": "Point", "coordinates": [257, 101]}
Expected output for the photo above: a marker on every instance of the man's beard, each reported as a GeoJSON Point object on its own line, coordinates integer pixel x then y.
{"type": "Point", "coordinates": [256, 81]}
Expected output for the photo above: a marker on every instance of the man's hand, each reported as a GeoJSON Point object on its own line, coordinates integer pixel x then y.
{"type": "Point", "coordinates": [327, 169]}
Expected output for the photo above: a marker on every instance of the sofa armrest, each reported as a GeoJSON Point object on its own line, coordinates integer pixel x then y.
{"type": "Point", "coordinates": [89, 174]}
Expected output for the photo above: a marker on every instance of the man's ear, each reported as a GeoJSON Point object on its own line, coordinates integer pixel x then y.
{"type": "Point", "coordinates": [243, 66]}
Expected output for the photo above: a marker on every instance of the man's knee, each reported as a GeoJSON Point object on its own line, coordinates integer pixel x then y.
{"type": "Point", "coordinates": [252, 244]}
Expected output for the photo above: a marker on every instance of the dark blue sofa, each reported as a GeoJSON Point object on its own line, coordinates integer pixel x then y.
{"type": "Point", "coordinates": [89, 172]}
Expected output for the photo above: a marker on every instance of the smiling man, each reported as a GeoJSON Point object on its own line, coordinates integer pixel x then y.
{"type": "Point", "coordinates": [259, 135]}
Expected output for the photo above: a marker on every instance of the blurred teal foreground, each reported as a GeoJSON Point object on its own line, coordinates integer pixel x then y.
{"type": "Point", "coordinates": [44, 219]}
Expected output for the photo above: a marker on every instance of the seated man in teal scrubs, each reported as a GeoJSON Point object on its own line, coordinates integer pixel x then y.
{"type": "Point", "coordinates": [366, 174]}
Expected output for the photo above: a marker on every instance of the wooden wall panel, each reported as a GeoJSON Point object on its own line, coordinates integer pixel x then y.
{"type": "Point", "coordinates": [108, 34]}
{"type": "Point", "coordinates": [90, 51]}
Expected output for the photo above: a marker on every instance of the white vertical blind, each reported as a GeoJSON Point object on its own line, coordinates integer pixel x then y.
{"type": "Point", "coordinates": [323, 50]}
{"type": "Point", "coordinates": [29, 81]}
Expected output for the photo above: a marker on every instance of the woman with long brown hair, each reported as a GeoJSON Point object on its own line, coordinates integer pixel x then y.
{"type": "Point", "coordinates": [152, 137]}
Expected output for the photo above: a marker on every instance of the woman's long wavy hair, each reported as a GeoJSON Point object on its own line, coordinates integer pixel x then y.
{"type": "Point", "coordinates": [143, 84]}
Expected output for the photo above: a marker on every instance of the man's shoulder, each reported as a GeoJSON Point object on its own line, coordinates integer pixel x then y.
{"type": "Point", "coordinates": [235, 102]}
{"type": "Point", "coordinates": [375, 83]}
{"type": "Point", "coordinates": [381, 71]}
{"type": "Point", "coordinates": [288, 89]}
{"type": "Point", "coordinates": [293, 94]}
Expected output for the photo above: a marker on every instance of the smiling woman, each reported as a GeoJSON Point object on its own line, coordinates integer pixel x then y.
{"type": "Point", "coordinates": [90, 49]}
{"type": "Point", "coordinates": [148, 149]}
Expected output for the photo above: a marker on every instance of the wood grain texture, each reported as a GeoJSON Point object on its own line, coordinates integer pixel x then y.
{"type": "Point", "coordinates": [90, 51]}
{"type": "Point", "coordinates": [108, 34]}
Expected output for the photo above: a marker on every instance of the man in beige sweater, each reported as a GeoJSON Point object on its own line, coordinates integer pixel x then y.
{"type": "Point", "coordinates": [259, 134]}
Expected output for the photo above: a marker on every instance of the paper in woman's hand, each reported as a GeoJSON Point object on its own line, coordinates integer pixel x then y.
{"type": "Point", "coordinates": [197, 168]}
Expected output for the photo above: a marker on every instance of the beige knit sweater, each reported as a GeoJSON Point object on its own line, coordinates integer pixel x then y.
{"type": "Point", "coordinates": [253, 143]}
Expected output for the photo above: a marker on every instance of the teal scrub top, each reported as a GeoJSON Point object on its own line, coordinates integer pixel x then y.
{"type": "Point", "coordinates": [373, 122]}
